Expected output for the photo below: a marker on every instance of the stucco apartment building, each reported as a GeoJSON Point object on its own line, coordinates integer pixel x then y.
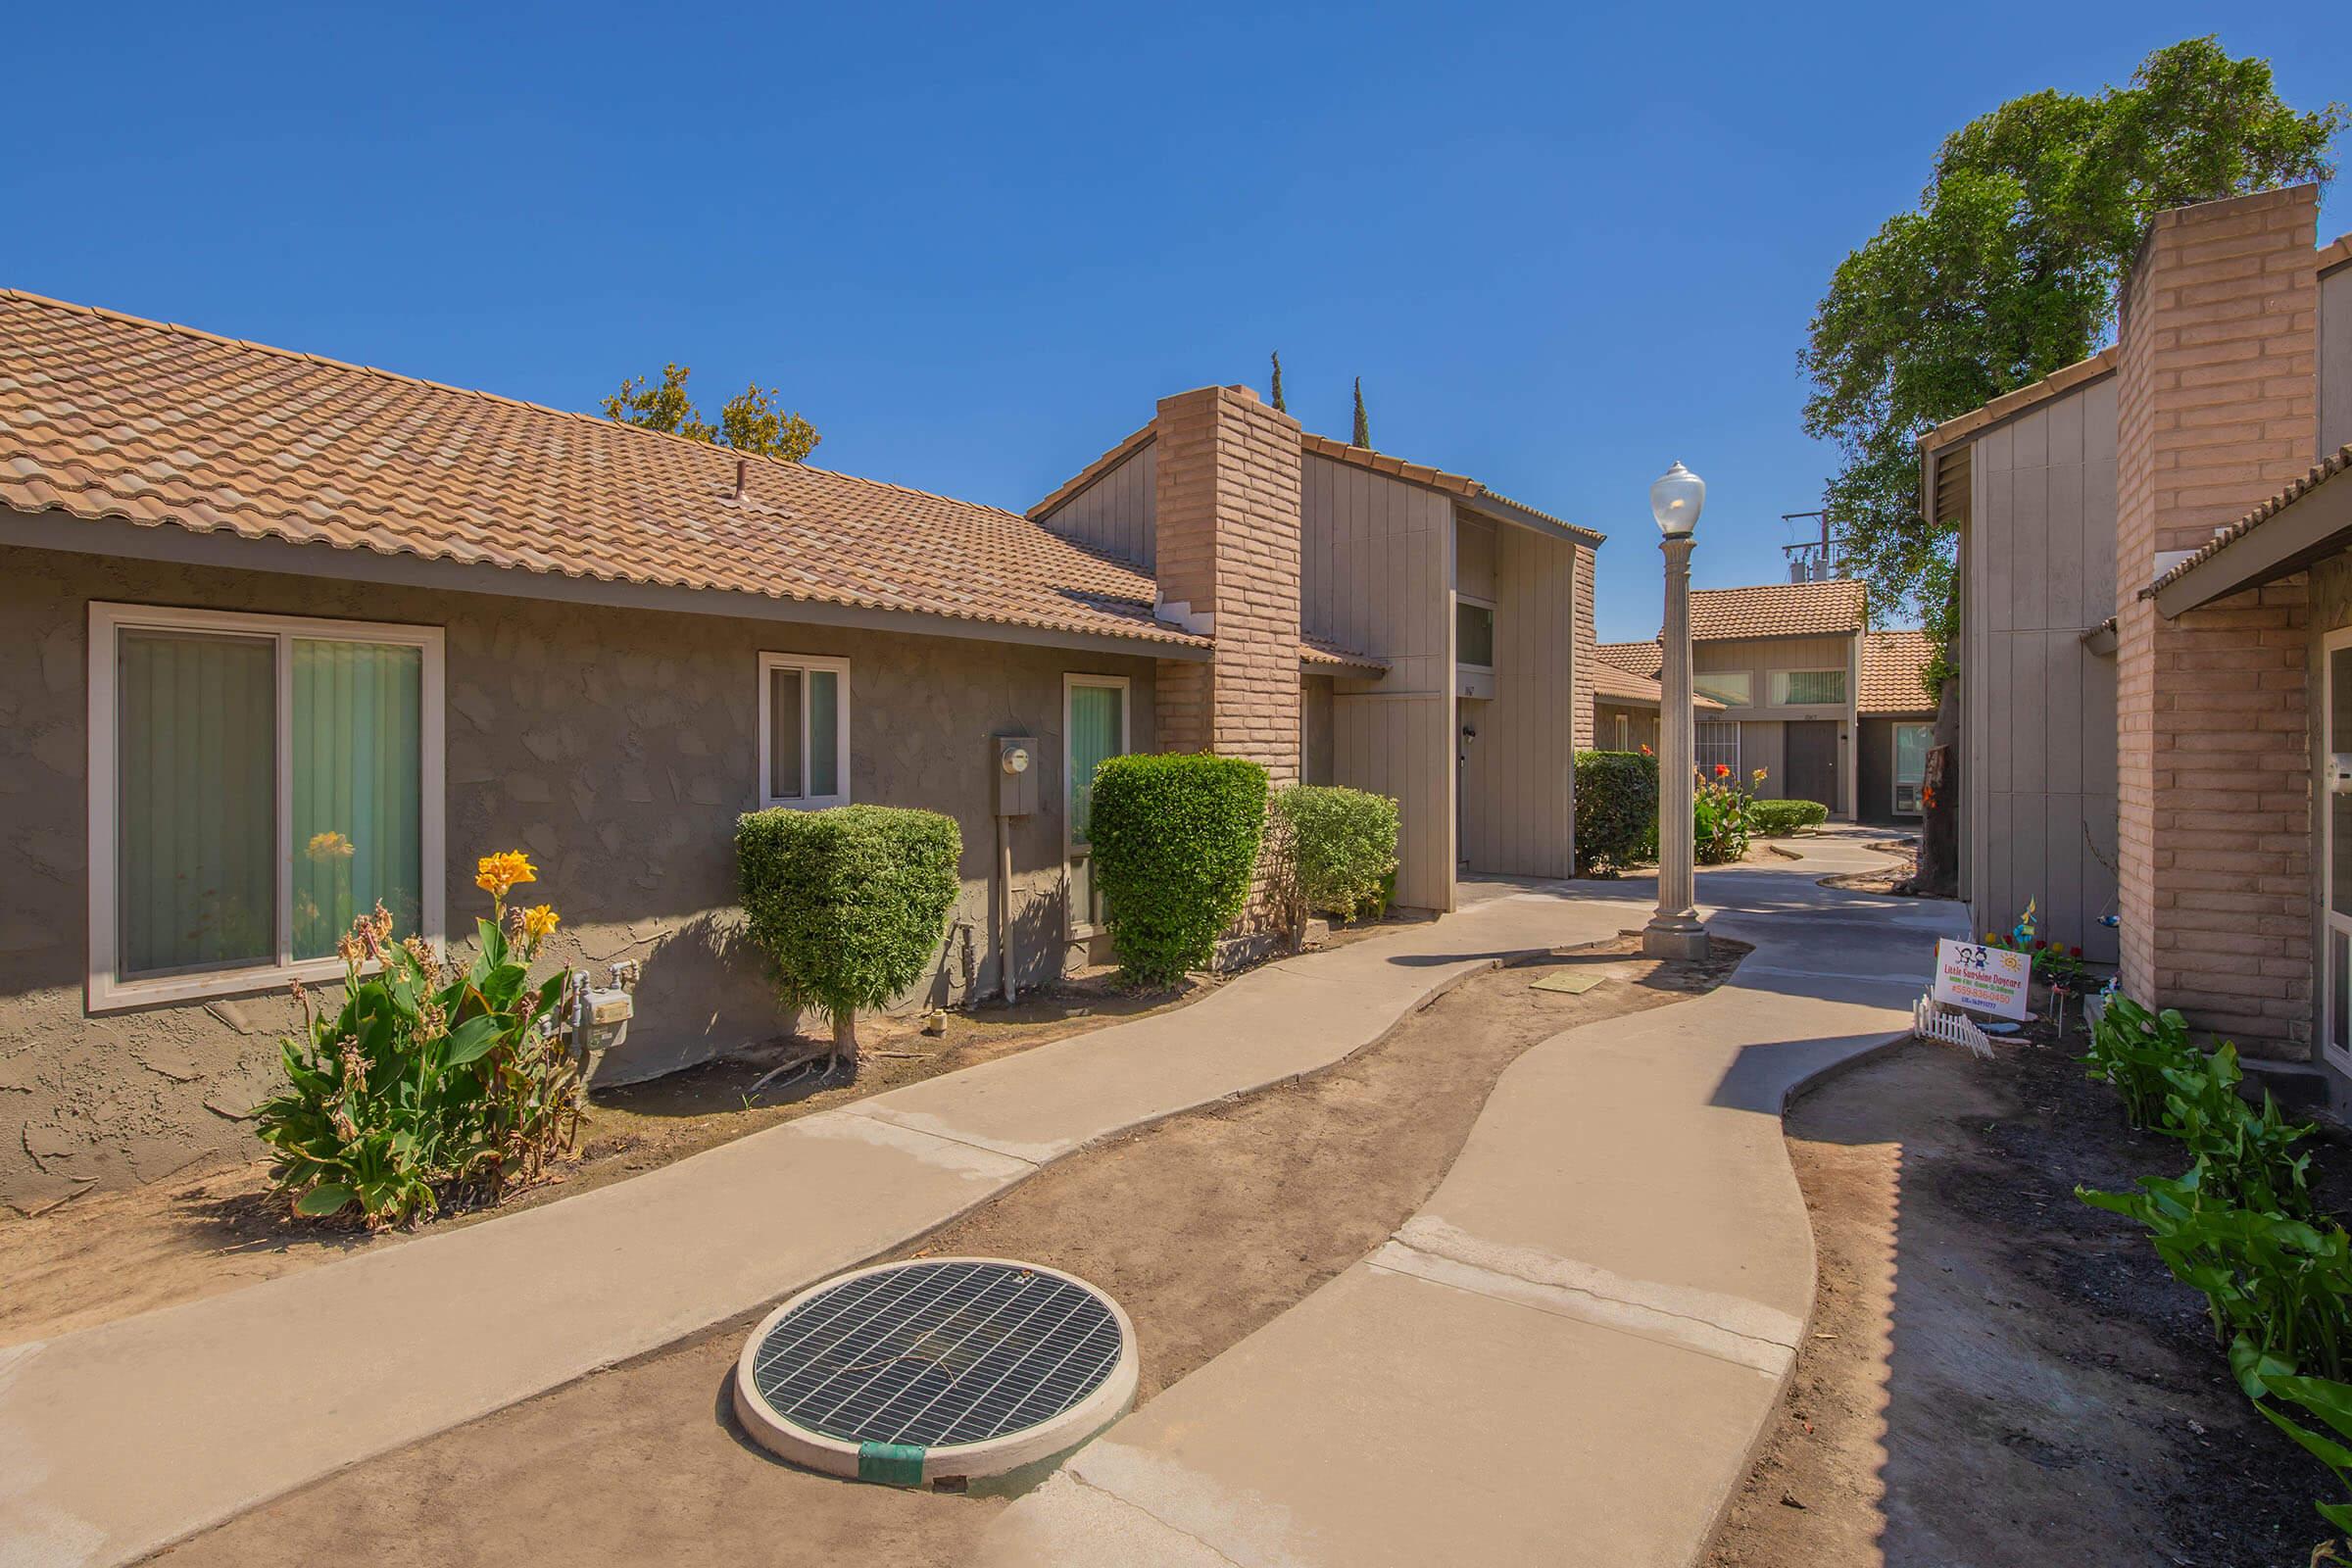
{"type": "Point", "coordinates": [1787, 678]}
{"type": "Point", "coordinates": [2156, 617]}
{"type": "Point", "coordinates": [284, 636]}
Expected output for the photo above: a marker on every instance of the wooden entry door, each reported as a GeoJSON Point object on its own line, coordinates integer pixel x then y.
{"type": "Point", "coordinates": [1811, 763]}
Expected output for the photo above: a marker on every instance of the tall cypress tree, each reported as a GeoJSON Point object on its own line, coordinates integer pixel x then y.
{"type": "Point", "coordinates": [1363, 426]}
{"type": "Point", "coordinates": [1280, 407]}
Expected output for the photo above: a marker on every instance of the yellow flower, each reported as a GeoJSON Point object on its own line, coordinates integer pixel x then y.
{"type": "Point", "coordinates": [497, 874]}
{"type": "Point", "coordinates": [539, 921]}
{"type": "Point", "coordinates": [329, 846]}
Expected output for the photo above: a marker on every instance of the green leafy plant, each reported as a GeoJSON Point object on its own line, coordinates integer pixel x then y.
{"type": "Point", "coordinates": [2241, 1153]}
{"type": "Point", "coordinates": [1779, 820]}
{"type": "Point", "coordinates": [426, 1083]}
{"type": "Point", "coordinates": [752, 420]}
{"type": "Point", "coordinates": [2277, 1290]}
{"type": "Point", "coordinates": [1616, 810]}
{"type": "Point", "coordinates": [1339, 847]}
{"type": "Point", "coordinates": [2332, 1403]}
{"type": "Point", "coordinates": [848, 904]}
{"type": "Point", "coordinates": [1175, 841]}
{"type": "Point", "coordinates": [1720, 817]}
{"type": "Point", "coordinates": [2131, 1048]}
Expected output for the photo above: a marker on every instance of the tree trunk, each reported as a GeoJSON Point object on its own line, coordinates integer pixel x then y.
{"type": "Point", "coordinates": [1939, 873]}
{"type": "Point", "coordinates": [845, 1041]}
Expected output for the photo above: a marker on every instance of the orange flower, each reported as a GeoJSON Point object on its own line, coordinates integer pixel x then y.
{"type": "Point", "coordinates": [1721, 771]}
{"type": "Point", "coordinates": [498, 874]}
{"type": "Point", "coordinates": [539, 921]}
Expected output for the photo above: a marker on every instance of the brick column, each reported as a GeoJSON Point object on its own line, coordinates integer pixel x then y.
{"type": "Point", "coordinates": [1580, 654]}
{"type": "Point", "coordinates": [1228, 526]}
{"type": "Point", "coordinates": [2216, 410]}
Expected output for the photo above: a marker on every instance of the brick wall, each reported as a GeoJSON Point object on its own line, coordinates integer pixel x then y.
{"type": "Point", "coordinates": [2217, 409]}
{"type": "Point", "coordinates": [1228, 526]}
{"type": "Point", "coordinates": [1580, 673]}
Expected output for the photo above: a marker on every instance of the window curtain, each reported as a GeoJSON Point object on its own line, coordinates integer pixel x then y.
{"type": "Point", "coordinates": [825, 733]}
{"type": "Point", "coordinates": [783, 734]}
{"type": "Point", "coordinates": [1096, 715]}
{"type": "Point", "coordinates": [196, 801]}
{"type": "Point", "coordinates": [358, 833]}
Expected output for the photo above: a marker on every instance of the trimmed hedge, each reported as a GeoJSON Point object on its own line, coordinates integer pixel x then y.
{"type": "Point", "coordinates": [1341, 846]}
{"type": "Point", "coordinates": [848, 904]}
{"type": "Point", "coordinates": [1616, 811]}
{"type": "Point", "coordinates": [1778, 820]}
{"type": "Point", "coordinates": [1175, 840]}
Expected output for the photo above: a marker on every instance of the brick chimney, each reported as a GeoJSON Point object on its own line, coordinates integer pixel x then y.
{"type": "Point", "coordinates": [1227, 552]}
{"type": "Point", "coordinates": [2217, 410]}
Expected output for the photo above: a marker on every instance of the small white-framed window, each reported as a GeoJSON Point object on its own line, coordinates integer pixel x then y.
{"type": "Point", "coordinates": [803, 731]}
{"type": "Point", "coordinates": [1808, 688]}
{"type": "Point", "coordinates": [1732, 688]}
{"type": "Point", "coordinates": [1095, 725]}
{"type": "Point", "coordinates": [1473, 632]}
{"type": "Point", "coordinates": [1911, 744]}
{"type": "Point", "coordinates": [256, 782]}
{"type": "Point", "coordinates": [1625, 732]}
{"type": "Point", "coordinates": [1716, 745]}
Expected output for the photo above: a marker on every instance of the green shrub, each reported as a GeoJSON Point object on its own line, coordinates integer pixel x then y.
{"type": "Point", "coordinates": [1616, 811]}
{"type": "Point", "coordinates": [1778, 820]}
{"type": "Point", "coordinates": [426, 1082]}
{"type": "Point", "coordinates": [2332, 1403]}
{"type": "Point", "coordinates": [2130, 1049]}
{"type": "Point", "coordinates": [1341, 847]}
{"type": "Point", "coordinates": [1175, 840]}
{"type": "Point", "coordinates": [2244, 1154]}
{"type": "Point", "coordinates": [848, 904]}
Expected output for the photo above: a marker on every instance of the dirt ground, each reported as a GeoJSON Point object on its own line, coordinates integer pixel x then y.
{"type": "Point", "coordinates": [1204, 1227]}
{"type": "Point", "coordinates": [1902, 865]}
{"type": "Point", "coordinates": [107, 1255]}
{"type": "Point", "coordinates": [1998, 1374]}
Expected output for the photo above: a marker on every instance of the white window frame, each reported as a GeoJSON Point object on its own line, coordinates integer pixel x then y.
{"type": "Point", "coordinates": [107, 989]}
{"type": "Point", "coordinates": [1475, 603]}
{"type": "Point", "coordinates": [1747, 697]}
{"type": "Point", "coordinates": [1894, 764]}
{"type": "Point", "coordinates": [1079, 925]}
{"type": "Point", "coordinates": [1777, 686]}
{"type": "Point", "coordinates": [769, 663]}
{"type": "Point", "coordinates": [1738, 765]}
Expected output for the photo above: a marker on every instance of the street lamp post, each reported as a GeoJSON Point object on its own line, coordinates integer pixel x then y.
{"type": "Point", "coordinates": [1674, 932]}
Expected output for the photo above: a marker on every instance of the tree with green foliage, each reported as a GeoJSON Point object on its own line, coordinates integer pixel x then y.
{"type": "Point", "coordinates": [1363, 426]}
{"type": "Point", "coordinates": [1280, 407]}
{"type": "Point", "coordinates": [2009, 270]}
{"type": "Point", "coordinates": [752, 420]}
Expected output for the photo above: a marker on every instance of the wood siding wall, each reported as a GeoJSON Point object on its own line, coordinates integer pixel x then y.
{"type": "Point", "coordinates": [2039, 716]}
{"type": "Point", "coordinates": [1118, 512]}
{"type": "Point", "coordinates": [1517, 817]}
{"type": "Point", "coordinates": [1376, 569]}
{"type": "Point", "coordinates": [1761, 741]}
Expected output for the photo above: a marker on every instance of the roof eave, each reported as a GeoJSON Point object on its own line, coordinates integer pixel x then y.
{"type": "Point", "coordinates": [2308, 524]}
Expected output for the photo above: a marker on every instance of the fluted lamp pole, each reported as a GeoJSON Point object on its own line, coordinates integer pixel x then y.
{"type": "Point", "coordinates": [1674, 932]}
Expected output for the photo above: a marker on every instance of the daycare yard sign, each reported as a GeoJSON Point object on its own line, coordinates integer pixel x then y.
{"type": "Point", "coordinates": [1982, 978]}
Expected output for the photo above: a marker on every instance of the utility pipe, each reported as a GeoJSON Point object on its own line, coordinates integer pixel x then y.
{"type": "Point", "coordinates": [1005, 905]}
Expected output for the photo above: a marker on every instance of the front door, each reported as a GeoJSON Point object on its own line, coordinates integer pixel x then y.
{"type": "Point", "coordinates": [1811, 762]}
{"type": "Point", "coordinates": [2336, 830]}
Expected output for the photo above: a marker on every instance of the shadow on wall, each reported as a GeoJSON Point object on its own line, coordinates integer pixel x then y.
{"type": "Point", "coordinates": [703, 990]}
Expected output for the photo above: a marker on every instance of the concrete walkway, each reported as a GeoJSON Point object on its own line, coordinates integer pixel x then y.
{"type": "Point", "coordinates": [1569, 1356]}
{"type": "Point", "coordinates": [120, 1439]}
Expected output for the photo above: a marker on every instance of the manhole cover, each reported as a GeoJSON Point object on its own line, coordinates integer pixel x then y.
{"type": "Point", "coordinates": [944, 1369]}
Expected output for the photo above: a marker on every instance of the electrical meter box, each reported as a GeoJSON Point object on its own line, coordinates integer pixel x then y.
{"type": "Point", "coordinates": [1013, 765]}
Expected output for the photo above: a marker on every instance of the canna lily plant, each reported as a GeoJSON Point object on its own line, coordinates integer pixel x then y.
{"type": "Point", "coordinates": [429, 1083]}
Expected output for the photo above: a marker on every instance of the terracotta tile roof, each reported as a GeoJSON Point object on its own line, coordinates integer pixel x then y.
{"type": "Point", "coordinates": [105, 415]}
{"type": "Point", "coordinates": [2063, 379]}
{"type": "Point", "coordinates": [1777, 610]}
{"type": "Point", "coordinates": [1891, 682]}
{"type": "Point", "coordinates": [1322, 446]}
{"type": "Point", "coordinates": [2335, 255]}
{"type": "Point", "coordinates": [1316, 649]}
{"type": "Point", "coordinates": [1634, 658]}
{"type": "Point", "coordinates": [2320, 473]}
{"type": "Point", "coordinates": [1615, 685]}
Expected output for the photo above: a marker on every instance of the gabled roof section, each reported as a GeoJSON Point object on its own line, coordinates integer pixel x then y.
{"type": "Point", "coordinates": [1611, 684]}
{"type": "Point", "coordinates": [1827, 609]}
{"type": "Point", "coordinates": [1478, 496]}
{"type": "Point", "coordinates": [104, 415]}
{"type": "Point", "coordinates": [1633, 659]}
{"type": "Point", "coordinates": [1893, 678]}
{"type": "Point", "coordinates": [2009, 404]}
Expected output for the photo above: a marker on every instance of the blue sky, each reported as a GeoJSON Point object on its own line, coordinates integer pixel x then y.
{"type": "Point", "coordinates": [974, 244]}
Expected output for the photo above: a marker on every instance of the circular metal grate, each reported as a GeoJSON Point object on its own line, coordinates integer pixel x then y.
{"type": "Point", "coordinates": [996, 1362]}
